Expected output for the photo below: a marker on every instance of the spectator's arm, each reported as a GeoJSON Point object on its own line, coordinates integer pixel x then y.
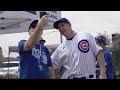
{"type": "Point", "coordinates": [101, 62]}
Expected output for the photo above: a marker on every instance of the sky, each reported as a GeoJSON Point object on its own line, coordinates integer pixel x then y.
{"type": "Point", "coordinates": [93, 22]}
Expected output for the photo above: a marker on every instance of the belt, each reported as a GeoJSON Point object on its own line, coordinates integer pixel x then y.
{"type": "Point", "coordinates": [84, 77]}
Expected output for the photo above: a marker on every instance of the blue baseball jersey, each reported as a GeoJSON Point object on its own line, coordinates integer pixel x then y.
{"type": "Point", "coordinates": [35, 62]}
{"type": "Point", "coordinates": [109, 65]}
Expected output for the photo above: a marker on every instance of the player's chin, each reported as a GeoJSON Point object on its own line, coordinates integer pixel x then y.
{"type": "Point", "coordinates": [63, 32]}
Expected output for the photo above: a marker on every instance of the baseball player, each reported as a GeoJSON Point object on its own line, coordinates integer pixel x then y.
{"type": "Point", "coordinates": [35, 61]}
{"type": "Point", "coordinates": [75, 58]}
{"type": "Point", "coordinates": [102, 42]}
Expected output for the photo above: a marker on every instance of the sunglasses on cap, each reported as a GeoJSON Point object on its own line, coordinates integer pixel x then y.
{"type": "Point", "coordinates": [33, 26]}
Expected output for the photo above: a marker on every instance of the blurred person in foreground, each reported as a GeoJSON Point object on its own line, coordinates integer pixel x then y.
{"type": "Point", "coordinates": [8, 75]}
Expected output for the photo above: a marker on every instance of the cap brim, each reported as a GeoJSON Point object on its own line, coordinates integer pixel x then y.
{"type": "Point", "coordinates": [56, 24]}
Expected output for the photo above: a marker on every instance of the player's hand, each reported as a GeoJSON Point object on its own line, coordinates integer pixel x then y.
{"type": "Point", "coordinates": [43, 21]}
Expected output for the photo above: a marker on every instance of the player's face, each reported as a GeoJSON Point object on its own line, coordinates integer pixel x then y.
{"type": "Point", "coordinates": [64, 28]}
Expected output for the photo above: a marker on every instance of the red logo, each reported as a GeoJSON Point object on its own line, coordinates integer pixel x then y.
{"type": "Point", "coordinates": [83, 46]}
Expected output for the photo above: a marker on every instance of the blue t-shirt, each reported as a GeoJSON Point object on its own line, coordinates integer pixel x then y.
{"type": "Point", "coordinates": [35, 62]}
{"type": "Point", "coordinates": [109, 65]}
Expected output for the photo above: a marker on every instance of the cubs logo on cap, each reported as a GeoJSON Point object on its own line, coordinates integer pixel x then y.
{"type": "Point", "coordinates": [83, 46]}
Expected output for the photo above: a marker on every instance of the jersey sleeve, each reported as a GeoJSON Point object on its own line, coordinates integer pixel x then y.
{"type": "Point", "coordinates": [21, 45]}
{"type": "Point", "coordinates": [95, 48]}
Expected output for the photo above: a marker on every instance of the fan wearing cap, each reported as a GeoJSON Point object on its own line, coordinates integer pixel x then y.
{"type": "Point", "coordinates": [101, 40]}
{"type": "Point", "coordinates": [35, 61]}
{"type": "Point", "coordinates": [75, 58]}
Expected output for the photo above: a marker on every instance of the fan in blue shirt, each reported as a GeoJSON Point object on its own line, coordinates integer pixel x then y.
{"type": "Point", "coordinates": [35, 61]}
{"type": "Point", "coordinates": [101, 41]}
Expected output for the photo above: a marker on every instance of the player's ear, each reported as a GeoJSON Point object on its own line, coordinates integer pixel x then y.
{"type": "Point", "coordinates": [70, 24]}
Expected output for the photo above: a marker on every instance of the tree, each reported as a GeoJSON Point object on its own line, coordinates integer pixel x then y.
{"type": "Point", "coordinates": [116, 51]}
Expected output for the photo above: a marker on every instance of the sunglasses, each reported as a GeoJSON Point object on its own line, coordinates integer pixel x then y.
{"type": "Point", "coordinates": [33, 26]}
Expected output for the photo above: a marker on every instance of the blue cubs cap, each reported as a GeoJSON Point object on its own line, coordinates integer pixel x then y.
{"type": "Point", "coordinates": [55, 25]}
{"type": "Point", "coordinates": [99, 39]}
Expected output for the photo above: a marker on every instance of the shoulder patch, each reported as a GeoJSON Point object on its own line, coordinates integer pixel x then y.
{"type": "Point", "coordinates": [83, 46]}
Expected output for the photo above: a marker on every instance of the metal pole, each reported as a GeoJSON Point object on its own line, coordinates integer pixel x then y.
{"type": "Point", "coordinates": [61, 39]}
{"type": "Point", "coordinates": [8, 62]}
